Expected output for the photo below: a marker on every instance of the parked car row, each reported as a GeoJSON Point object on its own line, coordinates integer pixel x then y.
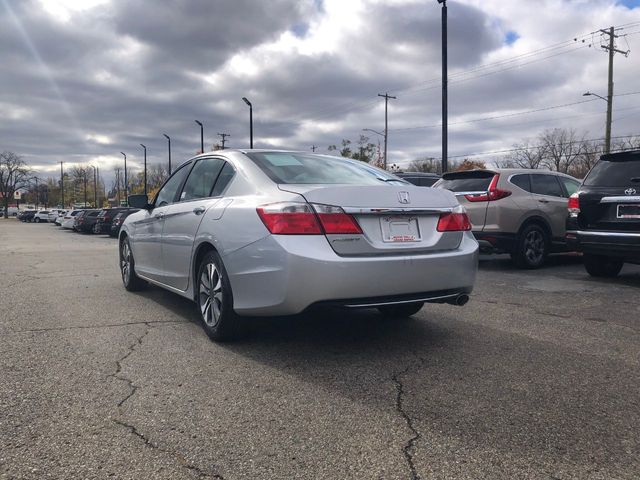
{"type": "Point", "coordinates": [106, 220]}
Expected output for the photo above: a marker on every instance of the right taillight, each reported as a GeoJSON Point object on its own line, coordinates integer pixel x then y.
{"type": "Point", "coordinates": [456, 221]}
{"type": "Point", "coordinates": [493, 193]}
{"type": "Point", "coordinates": [574, 205]}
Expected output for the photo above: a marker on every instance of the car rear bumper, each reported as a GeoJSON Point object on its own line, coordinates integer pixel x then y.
{"type": "Point", "coordinates": [284, 275]}
{"type": "Point", "coordinates": [611, 244]}
{"type": "Point", "coordinates": [494, 242]}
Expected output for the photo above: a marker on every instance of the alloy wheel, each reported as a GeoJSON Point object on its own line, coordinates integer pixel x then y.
{"type": "Point", "coordinates": [534, 246]}
{"type": "Point", "coordinates": [210, 294]}
{"type": "Point", "coordinates": [125, 262]}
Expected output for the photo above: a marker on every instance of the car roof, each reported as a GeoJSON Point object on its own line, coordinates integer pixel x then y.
{"type": "Point", "coordinates": [512, 171]}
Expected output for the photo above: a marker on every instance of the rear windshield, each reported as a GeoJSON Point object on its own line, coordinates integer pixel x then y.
{"type": "Point", "coordinates": [618, 173]}
{"type": "Point", "coordinates": [466, 182]}
{"type": "Point", "coordinates": [300, 168]}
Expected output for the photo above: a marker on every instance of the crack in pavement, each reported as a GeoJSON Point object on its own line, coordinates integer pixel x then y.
{"type": "Point", "coordinates": [407, 450]}
{"type": "Point", "coordinates": [110, 325]}
{"type": "Point", "coordinates": [133, 389]}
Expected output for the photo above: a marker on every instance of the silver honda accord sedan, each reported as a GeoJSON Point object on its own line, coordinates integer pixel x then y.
{"type": "Point", "coordinates": [262, 232]}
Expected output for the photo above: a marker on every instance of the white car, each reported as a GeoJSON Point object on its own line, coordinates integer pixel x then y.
{"type": "Point", "coordinates": [69, 218]}
{"type": "Point", "coordinates": [53, 215]}
{"type": "Point", "coordinates": [60, 217]}
{"type": "Point", "coordinates": [41, 216]}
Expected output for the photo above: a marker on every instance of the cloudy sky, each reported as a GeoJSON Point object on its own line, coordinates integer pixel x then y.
{"type": "Point", "coordinates": [82, 80]}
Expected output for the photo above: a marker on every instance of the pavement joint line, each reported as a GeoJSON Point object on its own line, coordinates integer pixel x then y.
{"type": "Point", "coordinates": [85, 327]}
{"type": "Point", "coordinates": [132, 428]}
{"type": "Point", "coordinates": [407, 450]}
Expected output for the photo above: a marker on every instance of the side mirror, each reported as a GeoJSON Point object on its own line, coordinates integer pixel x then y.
{"type": "Point", "coordinates": [138, 201]}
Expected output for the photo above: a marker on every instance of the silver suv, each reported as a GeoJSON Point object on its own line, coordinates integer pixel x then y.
{"type": "Point", "coordinates": [517, 211]}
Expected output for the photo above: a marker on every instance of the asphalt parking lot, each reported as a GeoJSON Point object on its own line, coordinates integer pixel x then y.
{"type": "Point", "coordinates": [537, 377]}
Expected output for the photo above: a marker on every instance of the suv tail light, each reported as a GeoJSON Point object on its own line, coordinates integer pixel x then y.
{"type": "Point", "coordinates": [335, 221]}
{"type": "Point", "coordinates": [574, 205]}
{"type": "Point", "coordinates": [294, 218]}
{"type": "Point", "coordinates": [493, 193]}
{"type": "Point", "coordinates": [456, 221]}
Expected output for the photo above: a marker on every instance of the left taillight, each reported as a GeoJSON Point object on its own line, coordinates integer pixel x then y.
{"type": "Point", "coordinates": [574, 205]}
{"type": "Point", "coordinates": [456, 221]}
{"type": "Point", "coordinates": [296, 218]}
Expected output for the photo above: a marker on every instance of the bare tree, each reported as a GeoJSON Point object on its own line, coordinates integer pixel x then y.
{"type": "Point", "coordinates": [14, 174]}
{"type": "Point", "coordinates": [526, 155]}
{"type": "Point", "coordinates": [561, 147]}
{"type": "Point", "coordinates": [426, 165]}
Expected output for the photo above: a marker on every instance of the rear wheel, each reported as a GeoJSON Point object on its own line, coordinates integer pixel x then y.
{"type": "Point", "coordinates": [215, 299]}
{"type": "Point", "coordinates": [532, 247]}
{"type": "Point", "coordinates": [130, 280]}
{"type": "Point", "coordinates": [403, 310]}
{"type": "Point", "coordinates": [602, 266]}
{"type": "Point", "coordinates": [37, 220]}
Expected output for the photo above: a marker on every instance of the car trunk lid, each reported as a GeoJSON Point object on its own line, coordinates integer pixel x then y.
{"type": "Point", "coordinates": [395, 219]}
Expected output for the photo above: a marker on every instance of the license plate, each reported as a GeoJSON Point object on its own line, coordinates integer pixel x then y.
{"type": "Point", "coordinates": [628, 211]}
{"type": "Point", "coordinates": [400, 229]}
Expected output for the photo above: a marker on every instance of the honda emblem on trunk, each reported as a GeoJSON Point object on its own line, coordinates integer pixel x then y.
{"type": "Point", "coordinates": [403, 197]}
{"type": "Point", "coordinates": [630, 191]}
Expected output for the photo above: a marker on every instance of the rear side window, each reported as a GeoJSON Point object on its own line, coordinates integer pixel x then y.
{"type": "Point", "coordinates": [467, 181]}
{"type": "Point", "coordinates": [571, 186]}
{"type": "Point", "coordinates": [223, 180]}
{"type": "Point", "coordinates": [546, 185]}
{"type": "Point", "coordinates": [522, 181]}
{"type": "Point", "coordinates": [201, 179]}
{"type": "Point", "coordinates": [617, 173]}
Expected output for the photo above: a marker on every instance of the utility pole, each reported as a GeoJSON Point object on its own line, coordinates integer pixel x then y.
{"type": "Point", "coordinates": [313, 148]}
{"type": "Point", "coordinates": [386, 97]}
{"type": "Point", "coordinates": [445, 91]}
{"type": "Point", "coordinates": [62, 184]}
{"type": "Point", "coordinates": [224, 138]}
{"type": "Point", "coordinates": [611, 48]}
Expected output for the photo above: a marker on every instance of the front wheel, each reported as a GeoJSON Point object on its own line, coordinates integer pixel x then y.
{"type": "Point", "coordinates": [602, 266]}
{"type": "Point", "coordinates": [215, 299]}
{"type": "Point", "coordinates": [402, 310]}
{"type": "Point", "coordinates": [37, 220]}
{"type": "Point", "coordinates": [532, 247]}
{"type": "Point", "coordinates": [131, 281]}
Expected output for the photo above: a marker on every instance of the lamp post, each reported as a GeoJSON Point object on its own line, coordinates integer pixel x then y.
{"type": "Point", "coordinates": [95, 188]}
{"type": "Point", "coordinates": [201, 136]}
{"type": "Point", "coordinates": [62, 185]}
{"type": "Point", "coordinates": [126, 185]}
{"type": "Point", "coordinates": [445, 82]}
{"type": "Point", "coordinates": [250, 121]}
{"type": "Point", "coordinates": [169, 140]}
{"type": "Point", "coordinates": [145, 168]}
{"type": "Point", "coordinates": [607, 134]}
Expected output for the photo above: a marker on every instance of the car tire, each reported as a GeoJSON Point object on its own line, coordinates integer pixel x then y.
{"type": "Point", "coordinates": [602, 266]}
{"type": "Point", "coordinates": [37, 220]}
{"type": "Point", "coordinates": [532, 247]}
{"type": "Point", "coordinates": [131, 281]}
{"type": "Point", "coordinates": [215, 299]}
{"type": "Point", "coordinates": [403, 310]}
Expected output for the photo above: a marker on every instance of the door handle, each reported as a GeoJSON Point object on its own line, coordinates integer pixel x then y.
{"type": "Point", "coordinates": [159, 215]}
{"type": "Point", "coordinates": [543, 201]}
{"type": "Point", "coordinates": [198, 210]}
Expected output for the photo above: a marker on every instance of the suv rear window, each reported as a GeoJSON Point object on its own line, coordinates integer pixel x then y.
{"type": "Point", "coordinates": [615, 173]}
{"type": "Point", "coordinates": [300, 168]}
{"type": "Point", "coordinates": [466, 181]}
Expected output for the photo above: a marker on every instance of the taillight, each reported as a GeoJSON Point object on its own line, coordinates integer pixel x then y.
{"type": "Point", "coordinates": [289, 218]}
{"type": "Point", "coordinates": [574, 205]}
{"type": "Point", "coordinates": [456, 221]}
{"type": "Point", "coordinates": [493, 193]}
{"type": "Point", "coordinates": [335, 221]}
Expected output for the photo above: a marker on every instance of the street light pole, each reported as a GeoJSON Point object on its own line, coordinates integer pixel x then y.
{"type": "Point", "coordinates": [62, 184]}
{"type": "Point", "coordinates": [145, 168]}
{"type": "Point", "coordinates": [445, 93]}
{"type": "Point", "coordinates": [250, 121]}
{"type": "Point", "coordinates": [95, 188]}
{"type": "Point", "coordinates": [126, 185]}
{"type": "Point", "coordinates": [169, 140]}
{"type": "Point", "coordinates": [607, 134]}
{"type": "Point", "coordinates": [201, 136]}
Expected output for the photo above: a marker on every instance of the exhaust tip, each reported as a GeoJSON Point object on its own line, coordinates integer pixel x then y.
{"type": "Point", "coordinates": [462, 300]}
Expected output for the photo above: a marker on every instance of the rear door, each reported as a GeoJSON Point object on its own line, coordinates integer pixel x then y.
{"type": "Point", "coordinates": [550, 199]}
{"type": "Point", "coordinates": [470, 185]}
{"type": "Point", "coordinates": [610, 195]}
{"type": "Point", "coordinates": [183, 220]}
